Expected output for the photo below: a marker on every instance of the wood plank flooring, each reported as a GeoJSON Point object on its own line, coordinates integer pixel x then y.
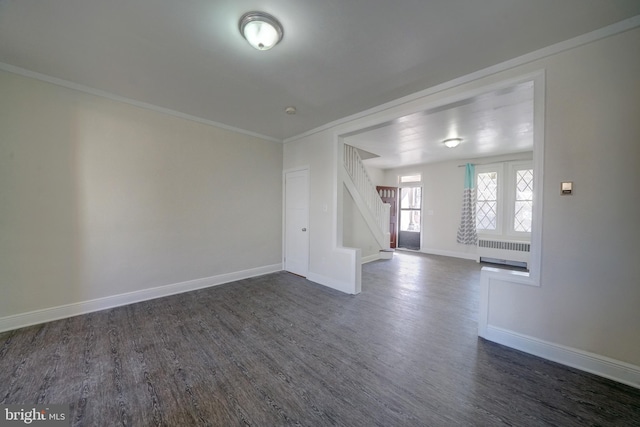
{"type": "Point", "coordinates": [278, 350]}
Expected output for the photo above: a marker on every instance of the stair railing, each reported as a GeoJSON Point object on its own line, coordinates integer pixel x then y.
{"type": "Point", "coordinates": [377, 208]}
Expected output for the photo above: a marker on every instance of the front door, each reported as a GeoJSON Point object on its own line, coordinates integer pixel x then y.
{"type": "Point", "coordinates": [410, 218]}
{"type": "Point", "coordinates": [296, 240]}
{"type": "Point", "coordinates": [390, 195]}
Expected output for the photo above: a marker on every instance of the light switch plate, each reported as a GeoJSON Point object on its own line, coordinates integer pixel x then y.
{"type": "Point", "coordinates": [566, 188]}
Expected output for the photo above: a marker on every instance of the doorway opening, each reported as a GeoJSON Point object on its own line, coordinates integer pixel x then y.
{"type": "Point", "coordinates": [501, 120]}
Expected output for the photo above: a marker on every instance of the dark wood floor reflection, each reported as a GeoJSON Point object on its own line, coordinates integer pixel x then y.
{"type": "Point", "coordinates": [279, 350]}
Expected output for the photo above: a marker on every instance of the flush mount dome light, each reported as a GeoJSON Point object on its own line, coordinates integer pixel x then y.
{"type": "Point", "coordinates": [261, 30]}
{"type": "Point", "coordinates": [452, 142]}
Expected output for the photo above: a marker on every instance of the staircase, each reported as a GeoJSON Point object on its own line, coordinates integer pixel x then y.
{"type": "Point", "coordinates": [365, 195]}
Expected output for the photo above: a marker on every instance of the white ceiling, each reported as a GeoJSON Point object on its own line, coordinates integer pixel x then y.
{"type": "Point", "coordinates": [337, 57]}
{"type": "Point", "coordinates": [495, 123]}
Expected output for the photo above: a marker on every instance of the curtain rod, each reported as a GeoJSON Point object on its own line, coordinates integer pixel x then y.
{"type": "Point", "coordinates": [491, 163]}
{"type": "Point", "coordinates": [477, 164]}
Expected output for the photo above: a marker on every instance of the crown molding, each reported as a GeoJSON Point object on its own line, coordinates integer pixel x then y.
{"type": "Point", "coordinates": [104, 94]}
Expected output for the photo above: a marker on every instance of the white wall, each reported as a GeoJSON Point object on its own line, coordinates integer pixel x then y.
{"type": "Point", "coordinates": [100, 198]}
{"type": "Point", "coordinates": [356, 232]}
{"type": "Point", "coordinates": [375, 174]}
{"type": "Point", "coordinates": [589, 294]}
{"type": "Point", "coordinates": [327, 264]}
{"type": "Point", "coordinates": [442, 185]}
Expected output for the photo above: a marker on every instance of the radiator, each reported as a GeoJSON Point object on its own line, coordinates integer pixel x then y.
{"type": "Point", "coordinates": [504, 252]}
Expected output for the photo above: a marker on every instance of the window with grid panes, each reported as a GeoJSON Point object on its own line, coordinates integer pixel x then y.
{"type": "Point", "coordinates": [487, 201]}
{"type": "Point", "coordinates": [504, 199]}
{"type": "Point", "coordinates": [523, 204]}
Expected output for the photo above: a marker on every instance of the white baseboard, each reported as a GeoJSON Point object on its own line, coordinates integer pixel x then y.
{"type": "Point", "coordinates": [452, 254]}
{"type": "Point", "coordinates": [69, 310]}
{"type": "Point", "coordinates": [370, 258]}
{"type": "Point", "coordinates": [329, 282]}
{"type": "Point", "coordinates": [603, 366]}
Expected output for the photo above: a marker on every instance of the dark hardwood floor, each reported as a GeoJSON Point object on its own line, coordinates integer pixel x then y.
{"type": "Point", "coordinates": [279, 350]}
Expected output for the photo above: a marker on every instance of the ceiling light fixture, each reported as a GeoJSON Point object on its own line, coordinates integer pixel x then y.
{"type": "Point", "coordinates": [261, 30]}
{"type": "Point", "coordinates": [452, 142]}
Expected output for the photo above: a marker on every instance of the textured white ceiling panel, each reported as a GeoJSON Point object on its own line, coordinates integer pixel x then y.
{"type": "Point", "coordinates": [499, 122]}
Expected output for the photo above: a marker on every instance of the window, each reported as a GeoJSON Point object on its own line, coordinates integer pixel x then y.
{"type": "Point", "coordinates": [523, 205]}
{"type": "Point", "coordinates": [504, 198]}
{"type": "Point", "coordinates": [404, 179]}
{"type": "Point", "coordinates": [487, 201]}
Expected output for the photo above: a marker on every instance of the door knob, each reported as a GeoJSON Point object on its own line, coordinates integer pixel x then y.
{"type": "Point", "coordinates": [304, 229]}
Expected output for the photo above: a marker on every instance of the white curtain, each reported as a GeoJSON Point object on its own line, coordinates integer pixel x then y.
{"type": "Point", "coordinates": [467, 229]}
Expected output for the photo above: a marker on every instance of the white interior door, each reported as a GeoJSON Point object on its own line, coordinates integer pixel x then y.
{"type": "Point", "coordinates": [296, 252]}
